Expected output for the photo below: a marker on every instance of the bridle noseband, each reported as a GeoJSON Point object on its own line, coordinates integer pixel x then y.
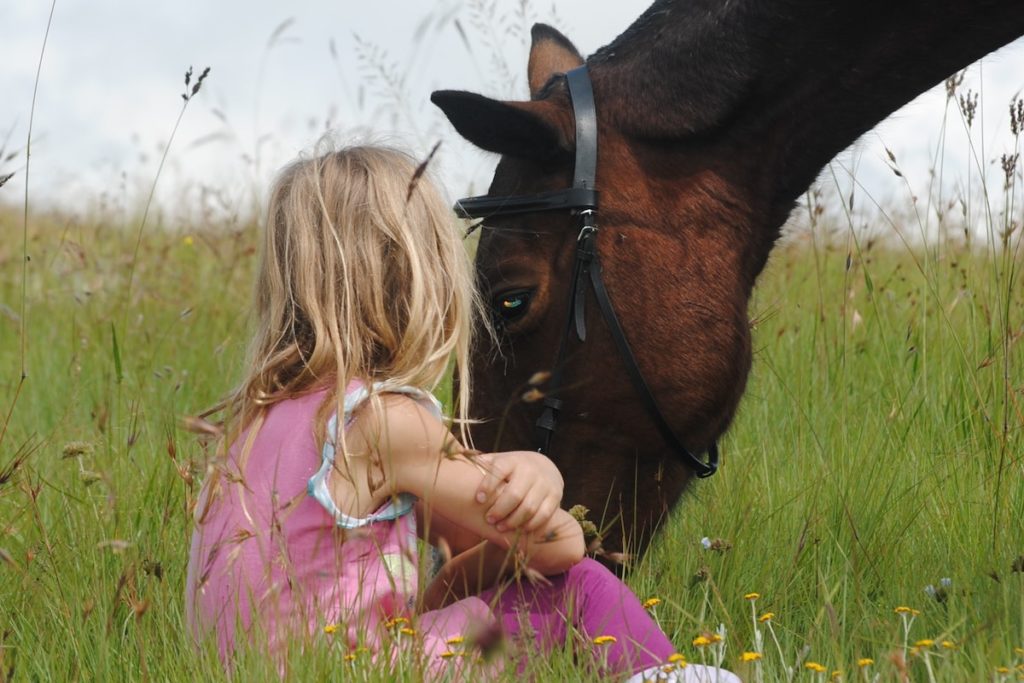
{"type": "Point", "coordinates": [582, 199]}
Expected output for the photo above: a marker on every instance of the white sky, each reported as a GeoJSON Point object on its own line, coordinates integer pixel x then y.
{"type": "Point", "coordinates": [112, 77]}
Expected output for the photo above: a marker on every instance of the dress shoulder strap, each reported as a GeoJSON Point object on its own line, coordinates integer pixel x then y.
{"type": "Point", "coordinates": [317, 486]}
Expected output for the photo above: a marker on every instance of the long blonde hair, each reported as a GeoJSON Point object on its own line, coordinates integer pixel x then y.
{"type": "Point", "coordinates": [362, 276]}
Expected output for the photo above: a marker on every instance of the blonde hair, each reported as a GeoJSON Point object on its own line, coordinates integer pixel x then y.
{"type": "Point", "coordinates": [362, 276]}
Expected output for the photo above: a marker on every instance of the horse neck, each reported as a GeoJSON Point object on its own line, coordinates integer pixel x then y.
{"type": "Point", "coordinates": [794, 81]}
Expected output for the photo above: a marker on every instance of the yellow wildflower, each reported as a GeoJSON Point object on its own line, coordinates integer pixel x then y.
{"type": "Point", "coordinates": [456, 640]}
{"type": "Point", "coordinates": [815, 666]}
{"type": "Point", "coordinates": [715, 638]}
{"type": "Point", "coordinates": [837, 675]}
{"type": "Point", "coordinates": [407, 631]}
{"type": "Point", "coordinates": [767, 616]}
{"type": "Point", "coordinates": [676, 658]}
{"type": "Point", "coordinates": [447, 654]}
{"type": "Point", "coordinates": [948, 645]}
{"type": "Point", "coordinates": [924, 642]}
{"type": "Point", "coordinates": [751, 596]}
{"type": "Point", "coordinates": [188, 241]}
{"type": "Point", "coordinates": [1002, 670]}
{"type": "Point", "coordinates": [865, 661]}
{"type": "Point", "coordinates": [903, 609]}
{"type": "Point", "coordinates": [750, 656]}
{"type": "Point", "coordinates": [701, 641]}
{"type": "Point", "coordinates": [397, 621]}
{"type": "Point", "coordinates": [350, 657]}
{"type": "Point", "coordinates": [330, 628]}
{"type": "Point", "coordinates": [651, 602]}
{"type": "Point", "coordinates": [1019, 650]}
{"type": "Point", "coordinates": [604, 640]}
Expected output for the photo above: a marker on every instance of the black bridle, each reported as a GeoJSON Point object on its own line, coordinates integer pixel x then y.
{"type": "Point", "coordinates": [582, 199]}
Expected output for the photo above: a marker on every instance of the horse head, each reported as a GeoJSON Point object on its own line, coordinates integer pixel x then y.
{"type": "Point", "coordinates": [712, 118]}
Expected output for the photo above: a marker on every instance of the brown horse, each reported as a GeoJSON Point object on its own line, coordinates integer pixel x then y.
{"type": "Point", "coordinates": [713, 117]}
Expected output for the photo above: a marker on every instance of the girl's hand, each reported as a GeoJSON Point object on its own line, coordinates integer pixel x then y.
{"type": "Point", "coordinates": [523, 490]}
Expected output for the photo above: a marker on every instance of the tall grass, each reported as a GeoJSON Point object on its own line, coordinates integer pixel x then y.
{"type": "Point", "coordinates": [869, 461]}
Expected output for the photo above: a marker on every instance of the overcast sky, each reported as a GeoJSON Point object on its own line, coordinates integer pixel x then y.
{"type": "Point", "coordinates": [112, 77]}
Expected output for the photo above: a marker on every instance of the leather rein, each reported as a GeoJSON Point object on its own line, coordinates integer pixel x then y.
{"type": "Point", "coordinates": [581, 199]}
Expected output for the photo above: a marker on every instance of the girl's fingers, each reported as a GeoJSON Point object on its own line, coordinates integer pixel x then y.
{"type": "Point", "coordinates": [495, 472]}
{"type": "Point", "coordinates": [544, 513]}
{"type": "Point", "coordinates": [523, 513]}
{"type": "Point", "coordinates": [509, 498]}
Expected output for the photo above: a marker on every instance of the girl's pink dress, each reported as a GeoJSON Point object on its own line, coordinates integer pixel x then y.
{"type": "Point", "coordinates": [272, 558]}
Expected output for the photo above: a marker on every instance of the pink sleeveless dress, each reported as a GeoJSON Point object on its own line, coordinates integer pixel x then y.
{"type": "Point", "coordinates": [272, 558]}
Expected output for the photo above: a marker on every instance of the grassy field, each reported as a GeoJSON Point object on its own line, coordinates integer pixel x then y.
{"type": "Point", "coordinates": [876, 463]}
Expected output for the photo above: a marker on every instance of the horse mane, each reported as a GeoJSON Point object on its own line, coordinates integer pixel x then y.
{"type": "Point", "coordinates": [794, 81]}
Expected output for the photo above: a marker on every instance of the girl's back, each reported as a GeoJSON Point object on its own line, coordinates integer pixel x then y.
{"type": "Point", "coordinates": [268, 557]}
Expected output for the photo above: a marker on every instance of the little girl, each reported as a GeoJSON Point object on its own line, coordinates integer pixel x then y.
{"type": "Point", "coordinates": [335, 458]}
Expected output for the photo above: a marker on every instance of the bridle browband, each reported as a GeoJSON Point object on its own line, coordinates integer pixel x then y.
{"type": "Point", "coordinates": [582, 199]}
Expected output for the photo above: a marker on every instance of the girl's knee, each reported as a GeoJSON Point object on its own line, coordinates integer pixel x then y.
{"type": "Point", "coordinates": [589, 574]}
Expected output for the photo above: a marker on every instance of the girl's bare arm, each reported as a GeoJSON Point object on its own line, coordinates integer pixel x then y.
{"type": "Point", "coordinates": [420, 456]}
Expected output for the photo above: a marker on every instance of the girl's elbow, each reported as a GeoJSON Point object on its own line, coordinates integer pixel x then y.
{"type": "Point", "coordinates": [561, 554]}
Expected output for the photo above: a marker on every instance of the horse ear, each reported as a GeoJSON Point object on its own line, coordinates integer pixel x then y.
{"type": "Point", "coordinates": [550, 53]}
{"type": "Point", "coordinates": [519, 129]}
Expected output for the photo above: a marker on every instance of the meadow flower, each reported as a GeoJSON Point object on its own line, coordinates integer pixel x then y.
{"type": "Point", "coordinates": [397, 621]}
{"type": "Point", "coordinates": [456, 640]}
{"type": "Point", "coordinates": [924, 642]}
{"type": "Point", "coordinates": [948, 645]}
{"type": "Point", "coordinates": [1002, 670]}
{"type": "Point", "coordinates": [188, 241]}
{"type": "Point", "coordinates": [447, 654]}
{"type": "Point", "coordinates": [676, 662]}
{"type": "Point", "coordinates": [750, 656]}
{"type": "Point", "coordinates": [903, 609]}
{"type": "Point", "coordinates": [350, 657]}
{"type": "Point", "coordinates": [405, 630]}
{"type": "Point", "coordinates": [701, 641]}
{"type": "Point", "coordinates": [865, 661]}
{"type": "Point", "coordinates": [330, 628]}
{"type": "Point", "coordinates": [751, 596]}
{"type": "Point", "coordinates": [604, 640]}
{"type": "Point", "coordinates": [651, 602]}
{"type": "Point", "coordinates": [837, 675]}
{"type": "Point", "coordinates": [719, 545]}
{"type": "Point", "coordinates": [816, 667]}
{"type": "Point", "coordinates": [767, 616]}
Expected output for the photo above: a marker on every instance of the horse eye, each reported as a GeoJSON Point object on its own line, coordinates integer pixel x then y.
{"type": "Point", "coordinates": [511, 306]}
